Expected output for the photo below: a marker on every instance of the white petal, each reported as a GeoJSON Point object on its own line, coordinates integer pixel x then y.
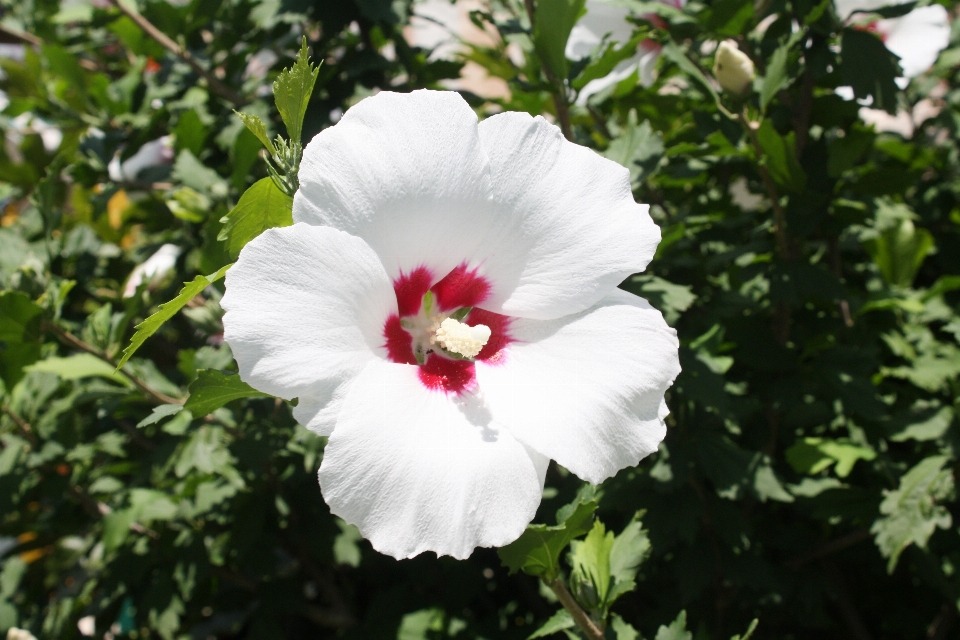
{"type": "Point", "coordinates": [574, 231]}
{"type": "Point", "coordinates": [318, 408]}
{"type": "Point", "coordinates": [305, 306]}
{"type": "Point", "coordinates": [406, 173]}
{"type": "Point", "coordinates": [601, 19]}
{"type": "Point", "coordinates": [918, 37]}
{"type": "Point", "coordinates": [587, 390]}
{"type": "Point", "coordinates": [417, 470]}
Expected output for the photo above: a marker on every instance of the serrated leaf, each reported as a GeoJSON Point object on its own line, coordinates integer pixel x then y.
{"type": "Point", "coordinates": [552, 23]}
{"type": "Point", "coordinates": [257, 128]}
{"type": "Point", "coordinates": [638, 148]}
{"type": "Point", "coordinates": [537, 551]}
{"type": "Point", "coordinates": [558, 622]}
{"type": "Point", "coordinates": [627, 553]}
{"type": "Point", "coordinates": [622, 629]}
{"type": "Point", "coordinates": [292, 91]}
{"type": "Point", "coordinates": [212, 389]}
{"type": "Point", "coordinates": [780, 158]}
{"type": "Point", "coordinates": [261, 207]}
{"type": "Point", "coordinates": [911, 513]}
{"type": "Point", "coordinates": [590, 559]}
{"type": "Point", "coordinates": [677, 630]}
{"type": "Point", "coordinates": [167, 310]}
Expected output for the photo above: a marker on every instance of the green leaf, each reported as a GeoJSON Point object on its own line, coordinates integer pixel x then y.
{"type": "Point", "coordinates": [558, 622]}
{"type": "Point", "coordinates": [81, 365]}
{"type": "Point", "coordinates": [776, 77]}
{"type": "Point", "coordinates": [911, 513]}
{"type": "Point", "coordinates": [673, 53]}
{"type": "Point", "coordinates": [167, 310]}
{"type": "Point", "coordinates": [159, 413]}
{"type": "Point", "coordinates": [628, 552]}
{"type": "Point", "coordinates": [676, 631]}
{"type": "Point", "coordinates": [728, 17]}
{"type": "Point", "coordinates": [292, 91]}
{"type": "Point", "coordinates": [212, 389]}
{"type": "Point", "coordinates": [259, 129]}
{"type": "Point", "coordinates": [590, 559]}
{"type": "Point", "coordinates": [749, 632]}
{"type": "Point", "coordinates": [780, 158]}
{"type": "Point", "coordinates": [638, 148]}
{"type": "Point", "coordinates": [812, 455]}
{"type": "Point", "coordinates": [261, 207]}
{"type": "Point", "coordinates": [419, 624]}
{"type": "Point", "coordinates": [926, 428]}
{"type": "Point", "coordinates": [19, 318]}
{"type": "Point", "coordinates": [537, 551]}
{"type": "Point", "coordinates": [623, 629]}
{"type": "Point", "coordinates": [899, 251]}
{"type": "Point", "coordinates": [192, 173]}
{"type": "Point", "coordinates": [610, 58]}
{"type": "Point", "coordinates": [870, 68]}
{"type": "Point", "coordinates": [345, 548]}
{"type": "Point", "coordinates": [552, 23]}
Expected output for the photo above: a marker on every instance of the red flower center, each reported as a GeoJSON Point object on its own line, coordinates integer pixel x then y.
{"type": "Point", "coordinates": [460, 288]}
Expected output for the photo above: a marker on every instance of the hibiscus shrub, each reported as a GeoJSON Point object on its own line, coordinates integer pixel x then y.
{"type": "Point", "coordinates": [800, 159]}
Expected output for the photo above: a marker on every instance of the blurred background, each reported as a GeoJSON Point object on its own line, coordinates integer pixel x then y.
{"type": "Point", "coordinates": [810, 262]}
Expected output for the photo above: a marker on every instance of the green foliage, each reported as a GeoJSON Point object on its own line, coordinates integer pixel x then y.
{"type": "Point", "coordinates": [537, 551]}
{"type": "Point", "coordinates": [911, 513]}
{"type": "Point", "coordinates": [809, 264]}
{"type": "Point", "coordinates": [167, 310]}
{"type": "Point", "coordinates": [213, 389]}
{"type": "Point", "coordinates": [552, 23]}
{"type": "Point", "coordinates": [292, 91]}
{"type": "Point", "coordinates": [261, 207]}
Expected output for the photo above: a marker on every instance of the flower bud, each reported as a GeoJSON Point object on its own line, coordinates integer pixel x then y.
{"type": "Point", "coordinates": [732, 68]}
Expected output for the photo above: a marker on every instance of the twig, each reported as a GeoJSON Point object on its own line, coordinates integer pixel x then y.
{"type": "Point", "coordinates": [148, 27]}
{"type": "Point", "coordinates": [831, 547]}
{"type": "Point", "coordinates": [586, 624]}
{"type": "Point", "coordinates": [22, 424]}
{"type": "Point", "coordinates": [560, 102]}
{"type": "Point", "coordinates": [71, 340]}
{"type": "Point", "coordinates": [779, 216]}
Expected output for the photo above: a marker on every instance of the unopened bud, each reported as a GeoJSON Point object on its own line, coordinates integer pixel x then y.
{"type": "Point", "coordinates": [732, 68]}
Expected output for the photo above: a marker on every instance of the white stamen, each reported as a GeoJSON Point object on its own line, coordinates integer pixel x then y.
{"type": "Point", "coordinates": [461, 338]}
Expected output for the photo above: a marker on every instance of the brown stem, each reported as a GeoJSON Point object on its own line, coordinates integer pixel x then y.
{"type": "Point", "coordinates": [22, 425]}
{"type": "Point", "coordinates": [831, 547]}
{"type": "Point", "coordinates": [148, 27]}
{"type": "Point", "coordinates": [779, 216]}
{"type": "Point", "coordinates": [586, 624]}
{"type": "Point", "coordinates": [71, 340]}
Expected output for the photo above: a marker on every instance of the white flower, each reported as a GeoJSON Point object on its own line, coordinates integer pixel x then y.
{"type": "Point", "coordinates": [151, 154]}
{"type": "Point", "coordinates": [732, 68]}
{"type": "Point", "coordinates": [14, 633]}
{"type": "Point", "coordinates": [153, 269]}
{"type": "Point", "coordinates": [608, 19]}
{"type": "Point", "coordinates": [917, 38]}
{"type": "Point", "coordinates": [409, 213]}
